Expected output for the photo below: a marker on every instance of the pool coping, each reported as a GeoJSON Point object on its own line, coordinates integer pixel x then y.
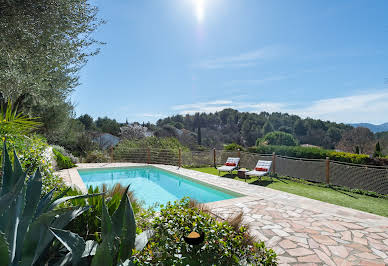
{"type": "Point", "coordinates": [75, 180]}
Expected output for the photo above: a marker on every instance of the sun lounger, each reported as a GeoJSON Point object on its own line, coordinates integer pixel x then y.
{"type": "Point", "coordinates": [262, 168]}
{"type": "Point", "coordinates": [230, 165]}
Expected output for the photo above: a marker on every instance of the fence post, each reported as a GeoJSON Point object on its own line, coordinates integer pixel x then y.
{"type": "Point", "coordinates": [148, 155]}
{"type": "Point", "coordinates": [214, 157]}
{"type": "Point", "coordinates": [180, 158]}
{"type": "Point", "coordinates": [327, 170]}
{"type": "Point", "coordinates": [274, 163]}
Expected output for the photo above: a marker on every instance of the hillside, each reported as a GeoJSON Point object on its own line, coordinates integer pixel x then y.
{"type": "Point", "coordinates": [229, 125]}
{"type": "Point", "coordinates": [372, 127]}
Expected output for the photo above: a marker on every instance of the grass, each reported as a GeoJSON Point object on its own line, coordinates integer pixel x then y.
{"type": "Point", "coordinates": [348, 199]}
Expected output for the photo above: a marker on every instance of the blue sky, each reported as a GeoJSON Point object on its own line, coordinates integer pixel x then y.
{"type": "Point", "coordinates": [320, 59]}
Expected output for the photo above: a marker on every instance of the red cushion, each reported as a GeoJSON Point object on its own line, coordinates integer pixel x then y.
{"type": "Point", "coordinates": [261, 169]}
{"type": "Point", "coordinates": [230, 164]}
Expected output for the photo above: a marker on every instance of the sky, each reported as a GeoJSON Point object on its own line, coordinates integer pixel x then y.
{"type": "Point", "coordinates": [319, 59]}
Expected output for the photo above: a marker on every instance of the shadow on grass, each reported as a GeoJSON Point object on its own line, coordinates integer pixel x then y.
{"type": "Point", "coordinates": [342, 192]}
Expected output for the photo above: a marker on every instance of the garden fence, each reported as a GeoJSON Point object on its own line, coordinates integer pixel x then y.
{"type": "Point", "coordinates": [355, 176]}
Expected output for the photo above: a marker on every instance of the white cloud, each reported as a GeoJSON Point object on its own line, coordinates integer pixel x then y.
{"type": "Point", "coordinates": [151, 115]}
{"type": "Point", "coordinates": [367, 107]}
{"type": "Point", "coordinates": [242, 60]}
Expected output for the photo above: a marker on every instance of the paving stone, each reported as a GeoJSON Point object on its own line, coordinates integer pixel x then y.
{"type": "Point", "coordinates": [302, 240]}
{"type": "Point", "coordinates": [370, 263]}
{"type": "Point", "coordinates": [323, 239]}
{"type": "Point", "coordinates": [379, 253]}
{"type": "Point", "coordinates": [297, 252]}
{"type": "Point", "coordinates": [280, 232]}
{"type": "Point", "coordinates": [287, 244]}
{"type": "Point", "coordinates": [312, 243]}
{"type": "Point", "coordinates": [347, 235]}
{"type": "Point", "coordinates": [325, 249]}
{"type": "Point", "coordinates": [362, 241]}
{"type": "Point", "coordinates": [309, 258]}
{"type": "Point", "coordinates": [284, 259]}
{"type": "Point", "coordinates": [273, 241]}
{"type": "Point", "coordinates": [367, 255]}
{"type": "Point", "coordinates": [324, 257]}
{"type": "Point", "coordinates": [339, 251]}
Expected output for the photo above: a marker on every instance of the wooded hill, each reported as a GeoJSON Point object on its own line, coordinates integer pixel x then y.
{"type": "Point", "coordinates": [244, 128]}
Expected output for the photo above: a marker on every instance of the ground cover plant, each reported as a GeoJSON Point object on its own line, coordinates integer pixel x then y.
{"type": "Point", "coordinates": [223, 243]}
{"type": "Point", "coordinates": [355, 199]}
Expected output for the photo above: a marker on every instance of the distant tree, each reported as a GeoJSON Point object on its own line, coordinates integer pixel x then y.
{"type": "Point", "coordinates": [108, 125]}
{"type": "Point", "coordinates": [357, 150]}
{"type": "Point", "coordinates": [199, 136]}
{"type": "Point", "coordinates": [300, 128]}
{"type": "Point", "coordinates": [286, 129]}
{"type": "Point", "coordinates": [359, 136]}
{"type": "Point", "coordinates": [267, 128]}
{"type": "Point", "coordinates": [278, 138]}
{"type": "Point", "coordinates": [87, 121]}
{"type": "Point", "coordinates": [377, 152]}
{"type": "Point", "coordinates": [134, 131]}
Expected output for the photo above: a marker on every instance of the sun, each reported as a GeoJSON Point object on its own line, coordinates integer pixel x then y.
{"type": "Point", "coordinates": [199, 6]}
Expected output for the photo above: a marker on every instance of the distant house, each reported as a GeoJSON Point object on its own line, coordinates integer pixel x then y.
{"type": "Point", "coordinates": [106, 140]}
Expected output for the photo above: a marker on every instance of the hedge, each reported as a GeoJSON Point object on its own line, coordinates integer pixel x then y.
{"type": "Point", "coordinates": [313, 153]}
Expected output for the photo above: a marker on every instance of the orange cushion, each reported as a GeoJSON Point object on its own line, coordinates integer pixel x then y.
{"type": "Point", "coordinates": [261, 169]}
{"type": "Point", "coordinates": [230, 164]}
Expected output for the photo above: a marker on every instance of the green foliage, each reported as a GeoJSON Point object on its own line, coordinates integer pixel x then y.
{"type": "Point", "coordinates": [267, 128]}
{"type": "Point", "coordinates": [313, 153]}
{"type": "Point", "coordinates": [278, 138]}
{"type": "Point", "coordinates": [233, 147]}
{"type": "Point", "coordinates": [87, 121]}
{"type": "Point", "coordinates": [232, 126]}
{"type": "Point", "coordinates": [33, 153]}
{"type": "Point", "coordinates": [108, 125]}
{"type": "Point", "coordinates": [92, 219]}
{"type": "Point", "coordinates": [97, 156]}
{"type": "Point", "coordinates": [20, 204]}
{"type": "Point", "coordinates": [151, 142]}
{"type": "Point", "coordinates": [14, 123]}
{"type": "Point", "coordinates": [377, 152]}
{"type": "Point", "coordinates": [223, 244]}
{"type": "Point", "coordinates": [63, 162]}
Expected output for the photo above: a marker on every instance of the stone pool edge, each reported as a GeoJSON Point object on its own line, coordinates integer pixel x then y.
{"type": "Point", "coordinates": [73, 178]}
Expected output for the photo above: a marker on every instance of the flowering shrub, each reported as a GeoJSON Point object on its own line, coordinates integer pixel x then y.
{"type": "Point", "coordinates": [34, 153]}
{"type": "Point", "coordinates": [223, 245]}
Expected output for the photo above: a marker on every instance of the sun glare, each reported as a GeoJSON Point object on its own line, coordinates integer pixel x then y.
{"type": "Point", "coordinates": [199, 10]}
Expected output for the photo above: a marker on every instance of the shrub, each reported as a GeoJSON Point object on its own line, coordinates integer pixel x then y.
{"type": "Point", "coordinates": [91, 220]}
{"type": "Point", "coordinates": [63, 162]}
{"type": "Point", "coordinates": [223, 244]}
{"type": "Point", "coordinates": [33, 153]}
{"type": "Point", "coordinates": [97, 157]}
{"type": "Point", "coordinates": [62, 150]}
{"type": "Point", "coordinates": [278, 138]}
{"type": "Point", "coordinates": [233, 147]}
{"type": "Point", "coordinates": [313, 153]}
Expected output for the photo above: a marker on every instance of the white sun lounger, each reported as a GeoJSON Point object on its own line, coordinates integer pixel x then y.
{"type": "Point", "coordinates": [260, 164]}
{"type": "Point", "coordinates": [229, 169]}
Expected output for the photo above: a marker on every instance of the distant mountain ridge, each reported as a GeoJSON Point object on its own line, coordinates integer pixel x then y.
{"type": "Point", "coordinates": [372, 127]}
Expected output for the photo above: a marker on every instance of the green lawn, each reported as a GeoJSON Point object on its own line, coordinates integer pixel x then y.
{"type": "Point", "coordinates": [356, 201]}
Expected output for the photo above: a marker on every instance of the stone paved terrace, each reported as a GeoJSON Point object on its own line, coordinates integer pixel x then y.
{"type": "Point", "coordinates": [302, 231]}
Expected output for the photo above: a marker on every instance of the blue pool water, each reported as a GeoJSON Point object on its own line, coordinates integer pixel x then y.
{"type": "Point", "coordinates": [152, 185]}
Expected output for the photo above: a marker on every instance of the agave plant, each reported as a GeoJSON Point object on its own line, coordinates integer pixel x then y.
{"type": "Point", "coordinates": [29, 224]}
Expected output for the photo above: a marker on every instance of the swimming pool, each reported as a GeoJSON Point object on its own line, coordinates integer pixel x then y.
{"type": "Point", "coordinates": [153, 185]}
